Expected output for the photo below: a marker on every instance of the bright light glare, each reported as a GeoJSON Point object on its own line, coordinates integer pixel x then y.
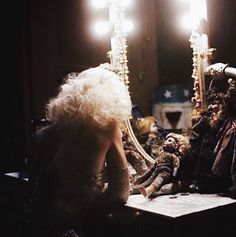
{"type": "Point", "coordinates": [186, 23]}
{"type": "Point", "coordinates": [102, 27]}
{"type": "Point", "coordinates": [99, 3]}
{"type": "Point", "coordinates": [126, 3]}
{"type": "Point", "coordinates": [198, 11]}
{"type": "Point", "coordinates": [128, 26]}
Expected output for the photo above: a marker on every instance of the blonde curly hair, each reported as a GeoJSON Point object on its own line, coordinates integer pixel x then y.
{"type": "Point", "coordinates": [143, 125]}
{"type": "Point", "coordinates": [95, 94]}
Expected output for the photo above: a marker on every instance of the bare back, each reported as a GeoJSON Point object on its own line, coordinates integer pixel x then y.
{"type": "Point", "coordinates": [84, 150]}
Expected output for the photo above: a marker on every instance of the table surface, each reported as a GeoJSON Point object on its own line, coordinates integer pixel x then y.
{"type": "Point", "coordinates": [178, 205]}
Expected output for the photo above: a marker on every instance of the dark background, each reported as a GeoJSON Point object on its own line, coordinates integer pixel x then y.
{"type": "Point", "coordinates": [41, 44]}
{"type": "Point", "coordinates": [174, 52]}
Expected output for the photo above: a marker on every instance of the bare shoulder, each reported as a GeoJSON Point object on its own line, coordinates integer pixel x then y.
{"type": "Point", "coordinates": [113, 129]}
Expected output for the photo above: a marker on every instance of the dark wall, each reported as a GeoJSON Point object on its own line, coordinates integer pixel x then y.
{"type": "Point", "coordinates": [222, 20]}
{"type": "Point", "coordinates": [45, 40]}
{"type": "Point", "coordinates": [61, 42]}
{"type": "Point", "coordinates": [143, 52]}
{"type": "Point", "coordinates": [12, 114]}
{"type": "Point", "coordinates": [174, 52]}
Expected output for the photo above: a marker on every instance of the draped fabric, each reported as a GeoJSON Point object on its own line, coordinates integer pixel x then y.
{"type": "Point", "coordinates": [225, 150]}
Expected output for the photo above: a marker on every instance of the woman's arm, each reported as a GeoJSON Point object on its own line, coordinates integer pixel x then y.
{"type": "Point", "coordinates": [117, 169]}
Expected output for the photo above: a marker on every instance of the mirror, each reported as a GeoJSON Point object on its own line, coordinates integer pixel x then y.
{"type": "Point", "coordinates": [197, 53]}
{"type": "Point", "coordinates": [175, 112]}
{"type": "Point", "coordinates": [173, 108]}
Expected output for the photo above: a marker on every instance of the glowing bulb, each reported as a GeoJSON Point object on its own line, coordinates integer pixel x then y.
{"type": "Point", "coordinates": [198, 11]}
{"type": "Point", "coordinates": [100, 3]}
{"type": "Point", "coordinates": [126, 3]}
{"type": "Point", "coordinates": [128, 26]}
{"type": "Point", "coordinates": [186, 23]}
{"type": "Point", "coordinates": [102, 27]}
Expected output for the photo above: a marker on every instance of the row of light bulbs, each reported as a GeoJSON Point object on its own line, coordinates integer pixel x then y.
{"type": "Point", "coordinates": [198, 11]}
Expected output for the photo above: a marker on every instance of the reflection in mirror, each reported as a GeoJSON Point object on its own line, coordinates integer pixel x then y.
{"type": "Point", "coordinates": [172, 150]}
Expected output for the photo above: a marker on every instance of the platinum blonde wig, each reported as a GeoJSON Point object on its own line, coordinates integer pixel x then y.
{"type": "Point", "coordinates": [95, 94]}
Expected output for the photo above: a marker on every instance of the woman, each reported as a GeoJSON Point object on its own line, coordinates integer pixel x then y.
{"type": "Point", "coordinates": [80, 152]}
